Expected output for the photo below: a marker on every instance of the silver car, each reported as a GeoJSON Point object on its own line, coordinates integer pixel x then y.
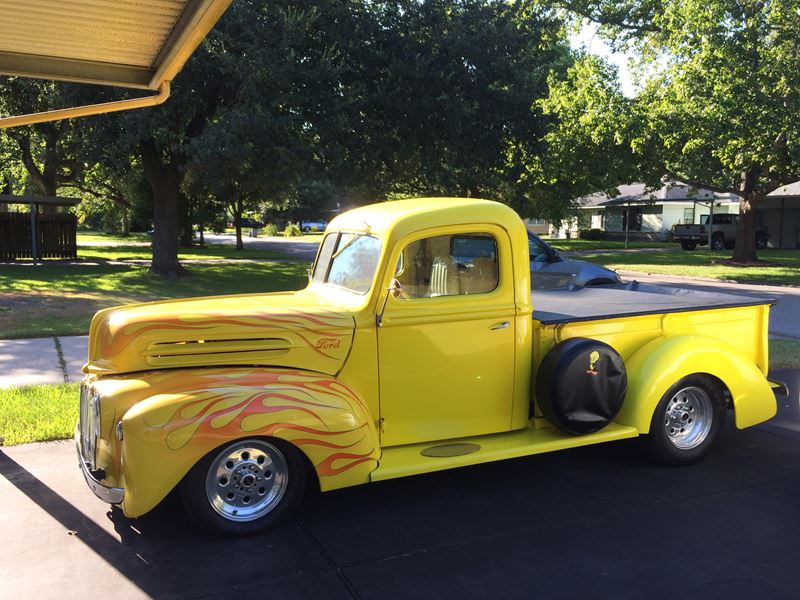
{"type": "Point", "coordinates": [551, 270]}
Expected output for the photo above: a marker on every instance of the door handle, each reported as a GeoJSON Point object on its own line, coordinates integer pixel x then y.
{"type": "Point", "coordinates": [501, 325]}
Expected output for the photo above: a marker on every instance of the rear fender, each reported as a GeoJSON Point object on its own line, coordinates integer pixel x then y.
{"type": "Point", "coordinates": [188, 416]}
{"type": "Point", "coordinates": [657, 365]}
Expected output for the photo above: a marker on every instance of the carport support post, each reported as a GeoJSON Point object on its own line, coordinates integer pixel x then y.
{"type": "Point", "coordinates": [711, 225]}
{"type": "Point", "coordinates": [34, 233]}
{"type": "Point", "coordinates": [627, 222]}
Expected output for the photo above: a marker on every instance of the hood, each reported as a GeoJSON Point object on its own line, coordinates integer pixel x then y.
{"type": "Point", "coordinates": [285, 329]}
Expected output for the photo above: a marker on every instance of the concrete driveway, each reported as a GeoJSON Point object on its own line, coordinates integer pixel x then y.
{"type": "Point", "coordinates": [599, 522]}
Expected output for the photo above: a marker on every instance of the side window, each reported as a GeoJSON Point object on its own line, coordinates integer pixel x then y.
{"type": "Point", "coordinates": [449, 265]}
{"type": "Point", "coordinates": [537, 250]}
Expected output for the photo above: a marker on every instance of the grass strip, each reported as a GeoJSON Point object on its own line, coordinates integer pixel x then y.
{"type": "Point", "coordinates": [38, 413]}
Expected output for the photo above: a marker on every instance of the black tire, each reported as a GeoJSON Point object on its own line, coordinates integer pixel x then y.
{"type": "Point", "coordinates": [687, 421]}
{"type": "Point", "coordinates": [761, 240]}
{"type": "Point", "coordinates": [718, 242]}
{"type": "Point", "coordinates": [254, 496]}
{"type": "Point", "coordinates": [688, 245]}
{"type": "Point", "coordinates": [307, 229]}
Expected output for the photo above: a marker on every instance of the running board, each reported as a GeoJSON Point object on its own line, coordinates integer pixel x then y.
{"type": "Point", "coordinates": [414, 459]}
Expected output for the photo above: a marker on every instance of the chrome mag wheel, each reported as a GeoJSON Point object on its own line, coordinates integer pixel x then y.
{"type": "Point", "coordinates": [247, 480]}
{"type": "Point", "coordinates": [688, 418]}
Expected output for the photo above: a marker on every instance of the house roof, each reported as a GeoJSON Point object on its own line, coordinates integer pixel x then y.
{"type": "Point", "coordinates": [128, 43]}
{"type": "Point", "coordinates": [637, 193]}
{"type": "Point", "coordinates": [787, 191]}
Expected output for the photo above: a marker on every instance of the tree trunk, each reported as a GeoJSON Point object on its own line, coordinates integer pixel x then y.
{"type": "Point", "coordinates": [126, 222]}
{"type": "Point", "coordinates": [186, 222]}
{"type": "Point", "coordinates": [165, 182]}
{"type": "Point", "coordinates": [238, 207]}
{"type": "Point", "coordinates": [745, 250]}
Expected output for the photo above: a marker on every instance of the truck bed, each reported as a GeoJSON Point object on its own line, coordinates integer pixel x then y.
{"type": "Point", "coordinates": [573, 304]}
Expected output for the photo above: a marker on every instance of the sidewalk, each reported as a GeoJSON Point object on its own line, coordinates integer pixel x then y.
{"type": "Point", "coordinates": [42, 360]}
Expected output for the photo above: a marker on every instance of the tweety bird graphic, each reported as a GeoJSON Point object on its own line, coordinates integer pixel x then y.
{"type": "Point", "coordinates": [593, 358]}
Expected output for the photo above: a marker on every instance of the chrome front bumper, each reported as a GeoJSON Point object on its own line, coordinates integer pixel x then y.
{"type": "Point", "coordinates": [112, 495]}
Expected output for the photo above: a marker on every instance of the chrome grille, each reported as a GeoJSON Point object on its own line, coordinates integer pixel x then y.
{"type": "Point", "coordinates": [89, 413]}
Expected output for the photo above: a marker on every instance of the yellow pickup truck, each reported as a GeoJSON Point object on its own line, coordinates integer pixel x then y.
{"type": "Point", "coordinates": [416, 346]}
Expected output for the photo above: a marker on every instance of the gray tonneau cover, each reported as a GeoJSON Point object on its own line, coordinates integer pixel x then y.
{"type": "Point", "coordinates": [567, 305]}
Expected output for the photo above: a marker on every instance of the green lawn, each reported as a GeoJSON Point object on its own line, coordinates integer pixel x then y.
{"type": "Point", "coordinates": [784, 353]}
{"type": "Point", "coordinates": [61, 299]}
{"type": "Point", "coordinates": [578, 245]}
{"type": "Point", "coordinates": [786, 269]}
{"type": "Point", "coordinates": [38, 413]}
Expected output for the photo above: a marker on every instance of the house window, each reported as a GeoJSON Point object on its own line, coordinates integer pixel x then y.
{"type": "Point", "coordinates": [688, 216]}
{"type": "Point", "coordinates": [632, 219]}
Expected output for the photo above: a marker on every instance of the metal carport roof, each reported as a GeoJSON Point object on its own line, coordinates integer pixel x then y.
{"type": "Point", "coordinates": [129, 43]}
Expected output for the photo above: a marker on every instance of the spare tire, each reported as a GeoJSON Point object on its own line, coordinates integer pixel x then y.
{"type": "Point", "coordinates": [580, 385]}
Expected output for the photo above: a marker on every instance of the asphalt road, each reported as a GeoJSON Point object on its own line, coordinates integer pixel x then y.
{"type": "Point", "coordinates": [596, 522]}
{"type": "Point", "coordinates": [302, 248]}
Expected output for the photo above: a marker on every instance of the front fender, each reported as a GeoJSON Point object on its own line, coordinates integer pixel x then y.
{"type": "Point", "coordinates": [657, 365]}
{"type": "Point", "coordinates": [189, 413]}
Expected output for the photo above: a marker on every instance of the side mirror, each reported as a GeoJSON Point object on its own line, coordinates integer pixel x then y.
{"type": "Point", "coordinates": [395, 289]}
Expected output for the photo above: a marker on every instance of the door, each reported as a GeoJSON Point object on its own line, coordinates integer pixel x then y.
{"type": "Point", "coordinates": [446, 342]}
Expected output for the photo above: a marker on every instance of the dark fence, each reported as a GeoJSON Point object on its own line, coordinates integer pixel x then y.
{"type": "Point", "coordinates": [57, 235]}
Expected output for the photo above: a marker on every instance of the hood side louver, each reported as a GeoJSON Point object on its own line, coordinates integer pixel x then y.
{"type": "Point", "coordinates": [234, 351]}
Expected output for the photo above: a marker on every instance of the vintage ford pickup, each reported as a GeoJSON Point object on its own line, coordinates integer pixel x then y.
{"type": "Point", "coordinates": [416, 346]}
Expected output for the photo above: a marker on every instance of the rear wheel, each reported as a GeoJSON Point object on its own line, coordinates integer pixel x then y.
{"type": "Point", "coordinates": [245, 487]}
{"type": "Point", "coordinates": [761, 240]}
{"type": "Point", "coordinates": [688, 245]}
{"type": "Point", "coordinates": [687, 421]}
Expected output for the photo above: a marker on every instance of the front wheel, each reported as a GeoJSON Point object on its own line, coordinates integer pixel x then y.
{"type": "Point", "coordinates": [245, 487]}
{"type": "Point", "coordinates": [687, 421]}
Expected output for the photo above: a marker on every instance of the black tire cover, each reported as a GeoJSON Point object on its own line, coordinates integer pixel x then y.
{"type": "Point", "coordinates": [580, 385]}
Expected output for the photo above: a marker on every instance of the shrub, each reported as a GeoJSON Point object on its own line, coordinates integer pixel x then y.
{"type": "Point", "coordinates": [292, 230]}
{"type": "Point", "coordinates": [592, 234]}
{"type": "Point", "coordinates": [270, 229]}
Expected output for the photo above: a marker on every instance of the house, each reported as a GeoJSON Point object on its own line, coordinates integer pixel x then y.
{"type": "Point", "coordinates": [651, 214]}
{"type": "Point", "coordinates": [537, 226]}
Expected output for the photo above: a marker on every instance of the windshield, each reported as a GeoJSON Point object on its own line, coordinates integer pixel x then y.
{"type": "Point", "coordinates": [348, 260]}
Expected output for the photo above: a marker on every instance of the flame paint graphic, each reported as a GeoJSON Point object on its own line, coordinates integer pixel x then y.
{"type": "Point", "coordinates": [316, 413]}
{"type": "Point", "coordinates": [303, 324]}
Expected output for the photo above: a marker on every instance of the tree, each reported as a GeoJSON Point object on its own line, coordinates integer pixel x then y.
{"type": "Point", "coordinates": [588, 139]}
{"type": "Point", "coordinates": [49, 152]}
{"type": "Point", "coordinates": [719, 106]}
